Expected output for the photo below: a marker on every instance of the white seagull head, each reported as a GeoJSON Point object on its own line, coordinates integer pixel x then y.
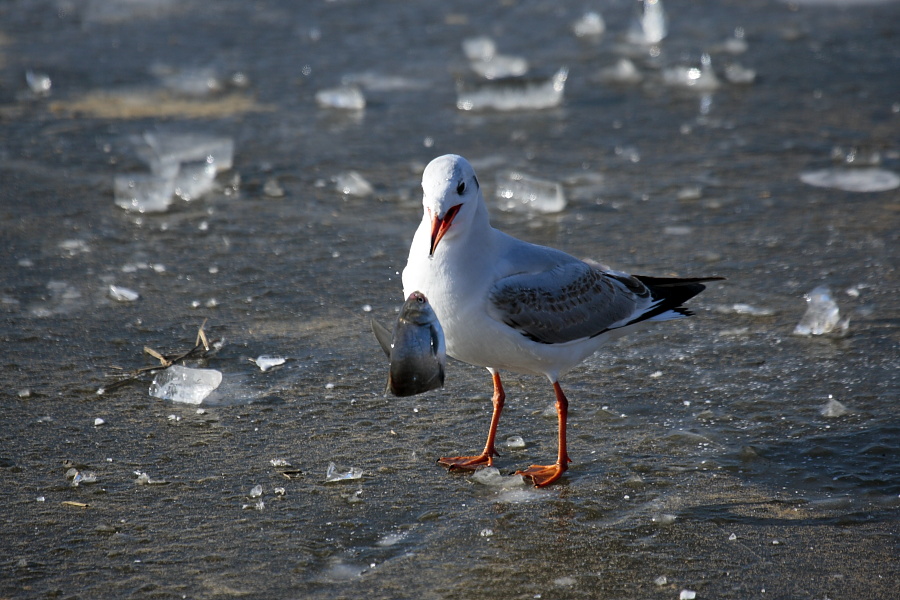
{"type": "Point", "coordinates": [451, 196]}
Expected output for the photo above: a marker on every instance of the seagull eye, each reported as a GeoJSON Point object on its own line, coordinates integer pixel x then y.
{"type": "Point", "coordinates": [461, 188]}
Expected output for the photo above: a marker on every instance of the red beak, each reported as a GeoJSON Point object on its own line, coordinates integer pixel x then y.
{"type": "Point", "coordinates": [440, 226]}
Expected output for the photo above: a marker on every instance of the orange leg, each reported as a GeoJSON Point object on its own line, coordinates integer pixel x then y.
{"type": "Point", "coordinates": [486, 458]}
{"type": "Point", "coordinates": [542, 475]}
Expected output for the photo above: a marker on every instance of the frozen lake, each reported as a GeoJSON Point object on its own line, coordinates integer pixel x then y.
{"type": "Point", "coordinates": [721, 455]}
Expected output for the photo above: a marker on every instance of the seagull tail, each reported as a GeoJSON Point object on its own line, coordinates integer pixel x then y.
{"type": "Point", "coordinates": [669, 295]}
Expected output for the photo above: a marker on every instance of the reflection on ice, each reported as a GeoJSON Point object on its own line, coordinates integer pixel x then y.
{"type": "Point", "coordinates": [512, 93]}
{"type": "Point", "coordinates": [822, 313]}
{"type": "Point", "coordinates": [184, 384]}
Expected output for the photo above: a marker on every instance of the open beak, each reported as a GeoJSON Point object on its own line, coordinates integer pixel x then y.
{"type": "Point", "coordinates": [439, 227]}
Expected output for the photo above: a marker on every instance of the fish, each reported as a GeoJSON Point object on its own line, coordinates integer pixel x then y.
{"type": "Point", "coordinates": [416, 348]}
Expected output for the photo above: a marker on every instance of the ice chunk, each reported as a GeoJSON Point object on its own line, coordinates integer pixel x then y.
{"type": "Point", "coordinates": [515, 441]}
{"type": "Point", "coordinates": [272, 188]}
{"type": "Point", "coordinates": [736, 73]}
{"type": "Point", "coordinates": [266, 361]}
{"type": "Point", "coordinates": [512, 93]}
{"type": "Point", "coordinates": [833, 408]}
{"type": "Point", "coordinates": [164, 152]}
{"type": "Point", "coordinates": [519, 192]}
{"type": "Point", "coordinates": [822, 313]}
{"type": "Point", "coordinates": [491, 477]}
{"type": "Point", "coordinates": [479, 48]}
{"type": "Point", "coordinates": [98, 422]}
{"type": "Point", "coordinates": [192, 82]}
{"type": "Point", "coordinates": [624, 71]}
{"type": "Point", "coordinates": [280, 462]}
{"type": "Point", "coordinates": [853, 180]}
{"type": "Point", "coordinates": [352, 183]}
{"type": "Point", "coordinates": [195, 180]}
{"type": "Point", "coordinates": [702, 78]}
{"type": "Point", "coordinates": [183, 384]}
{"type": "Point", "coordinates": [745, 309]}
{"type": "Point", "coordinates": [687, 595]}
{"type": "Point", "coordinates": [144, 193]}
{"type": "Point", "coordinates": [256, 491]}
{"type": "Point", "coordinates": [591, 24]}
{"type": "Point", "coordinates": [332, 474]}
{"type": "Point", "coordinates": [345, 97]}
{"type": "Point", "coordinates": [651, 26]}
{"type": "Point", "coordinates": [79, 478]}
{"type": "Point", "coordinates": [38, 83]}
{"type": "Point", "coordinates": [122, 294]}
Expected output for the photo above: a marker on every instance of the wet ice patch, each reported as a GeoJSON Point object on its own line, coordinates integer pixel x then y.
{"type": "Point", "coordinates": [853, 180]}
{"type": "Point", "coordinates": [184, 384]}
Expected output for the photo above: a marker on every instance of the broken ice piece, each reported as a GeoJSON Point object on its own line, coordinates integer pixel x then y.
{"type": "Point", "coordinates": [352, 183]}
{"type": "Point", "coordinates": [266, 361]}
{"type": "Point", "coordinates": [822, 313]}
{"type": "Point", "coordinates": [702, 78]}
{"type": "Point", "coordinates": [195, 180]}
{"type": "Point", "coordinates": [345, 97]}
{"type": "Point", "coordinates": [687, 595]}
{"type": "Point", "coordinates": [183, 384]}
{"type": "Point", "coordinates": [523, 193]}
{"type": "Point", "coordinates": [162, 150]}
{"type": "Point", "coordinates": [512, 93]}
{"type": "Point", "coordinates": [650, 27]}
{"type": "Point", "coordinates": [332, 474]}
{"type": "Point", "coordinates": [491, 477]}
{"type": "Point", "coordinates": [39, 83]}
{"type": "Point", "coordinates": [591, 24]}
{"type": "Point", "coordinates": [143, 193]}
{"type": "Point", "coordinates": [869, 179]}
{"type": "Point", "coordinates": [833, 408]}
{"type": "Point", "coordinates": [122, 294]}
{"type": "Point", "coordinates": [83, 478]}
{"type": "Point", "coordinates": [624, 71]}
{"type": "Point", "coordinates": [144, 479]}
{"type": "Point", "coordinates": [280, 462]}
{"type": "Point", "coordinates": [98, 422]}
{"type": "Point", "coordinates": [256, 491]}
{"type": "Point", "coordinates": [515, 441]}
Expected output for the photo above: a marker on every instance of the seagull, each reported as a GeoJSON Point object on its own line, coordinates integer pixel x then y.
{"type": "Point", "coordinates": [506, 304]}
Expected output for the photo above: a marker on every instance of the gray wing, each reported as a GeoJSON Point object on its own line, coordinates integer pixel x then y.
{"type": "Point", "coordinates": [572, 301]}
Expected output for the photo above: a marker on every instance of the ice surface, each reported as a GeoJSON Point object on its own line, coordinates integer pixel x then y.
{"type": "Point", "coordinates": [344, 97]}
{"type": "Point", "coordinates": [512, 93]}
{"type": "Point", "coordinates": [522, 193]}
{"type": "Point", "coordinates": [184, 384]}
{"type": "Point", "coordinates": [266, 361]}
{"type": "Point", "coordinates": [833, 408]}
{"type": "Point", "coordinates": [591, 24]}
{"type": "Point", "coordinates": [822, 313]}
{"type": "Point", "coordinates": [853, 180]}
{"type": "Point", "coordinates": [332, 474]}
{"type": "Point", "coordinates": [352, 183]}
{"type": "Point", "coordinates": [143, 193]}
{"type": "Point", "coordinates": [122, 294]}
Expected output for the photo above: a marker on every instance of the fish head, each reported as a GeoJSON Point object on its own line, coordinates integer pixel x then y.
{"type": "Point", "coordinates": [418, 310]}
{"type": "Point", "coordinates": [451, 195]}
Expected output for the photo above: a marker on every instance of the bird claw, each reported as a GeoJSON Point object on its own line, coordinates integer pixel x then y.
{"type": "Point", "coordinates": [542, 475]}
{"type": "Point", "coordinates": [467, 463]}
